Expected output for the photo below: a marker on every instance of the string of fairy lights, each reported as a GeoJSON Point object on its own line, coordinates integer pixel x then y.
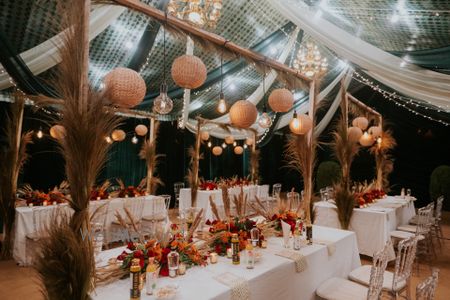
{"type": "Point", "coordinates": [400, 100]}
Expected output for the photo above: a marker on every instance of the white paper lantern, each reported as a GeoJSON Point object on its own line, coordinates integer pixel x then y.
{"type": "Point", "coordinates": [57, 132]}
{"type": "Point", "coordinates": [354, 134]}
{"type": "Point", "coordinates": [189, 71]}
{"type": "Point", "coordinates": [375, 131]}
{"type": "Point", "coordinates": [229, 140]}
{"type": "Point", "coordinates": [118, 135]}
{"type": "Point", "coordinates": [361, 122]}
{"type": "Point", "coordinates": [141, 130]}
{"type": "Point", "coordinates": [300, 124]}
{"type": "Point", "coordinates": [125, 87]}
{"type": "Point", "coordinates": [281, 100]}
{"type": "Point", "coordinates": [243, 114]}
{"type": "Point", "coordinates": [204, 135]}
{"type": "Point", "coordinates": [366, 140]}
{"type": "Point", "coordinates": [238, 150]}
{"type": "Point", "coordinates": [217, 150]}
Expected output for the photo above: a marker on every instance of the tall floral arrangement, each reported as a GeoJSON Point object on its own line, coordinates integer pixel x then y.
{"type": "Point", "coordinates": [381, 150]}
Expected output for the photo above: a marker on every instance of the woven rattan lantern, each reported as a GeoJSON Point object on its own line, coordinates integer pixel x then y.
{"type": "Point", "coordinates": [141, 130]}
{"type": "Point", "coordinates": [217, 150]}
{"type": "Point", "coordinates": [281, 100]}
{"type": "Point", "coordinates": [188, 71]}
{"type": "Point", "coordinates": [361, 122]}
{"type": "Point", "coordinates": [249, 141]}
{"type": "Point", "coordinates": [229, 140]}
{"type": "Point", "coordinates": [57, 132]}
{"type": "Point", "coordinates": [354, 134]}
{"type": "Point", "coordinates": [118, 135]}
{"type": "Point", "coordinates": [125, 87]}
{"type": "Point", "coordinates": [238, 150]}
{"type": "Point", "coordinates": [375, 131]}
{"type": "Point", "coordinates": [366, 140]}
{"type": "Point", "coordinates": [300, 124]}
{"type": "Point", "coordinates": [204, 135]}
{"type": "Point", "coordinates": [243, 114]}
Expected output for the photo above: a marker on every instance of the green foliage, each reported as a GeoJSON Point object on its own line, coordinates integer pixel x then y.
{"type": "Point", "coordinates": [328, 173]}
{"type": "Point", "coordinates": [440, 184]}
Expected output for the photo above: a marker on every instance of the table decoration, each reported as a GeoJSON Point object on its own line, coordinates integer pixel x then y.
{"type": "Point", "coordinates": [299, 259]}
{"type": "Point", "coordinates": [240, 288]}
{"type": "Point", "coordinates": [151, 276]}
{"type": "Point", "coordinates": [39, 198]}
{"type": "Point", "coordinates": [100, 192]}
{"type": "Point", "coordinates": [208, 185]}
{"type": "Point", "coordinates": [286, 229]}
{"type": "Point", "coordinates": [129, 191]}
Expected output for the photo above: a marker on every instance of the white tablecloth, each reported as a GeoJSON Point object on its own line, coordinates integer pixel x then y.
{"type": "Point", "coordinates": [274, 277]}
{"type": "Point", "coordinates": [203, 197]}
{"type": "Point", "coordinates": [373, 224]}
{"type": "Point", "coordinates": [24, 223]}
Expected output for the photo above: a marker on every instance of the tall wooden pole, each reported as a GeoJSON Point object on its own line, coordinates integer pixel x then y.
{"type": "Point", "coordinates": [149, 167]}
{"type": "Point", "coordinates": [254, 175]}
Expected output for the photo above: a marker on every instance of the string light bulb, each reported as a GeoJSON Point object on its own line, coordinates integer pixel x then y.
{"type": "Point", "coordinates": [224, 145]}
{"type": "Point", "coordinates": [40, 134]}
{"type": "Point", "coordinates": [109, 140]}
{"type": "Point", "coordinates": [209, 144]}
{"type": "Point", "coordinates": [134, 140]}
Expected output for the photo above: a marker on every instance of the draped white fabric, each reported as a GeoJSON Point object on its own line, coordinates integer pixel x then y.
{"type": "Point", "coordinates": [410, 80]}
{"type": "Point", "coordinates": [46, 55]}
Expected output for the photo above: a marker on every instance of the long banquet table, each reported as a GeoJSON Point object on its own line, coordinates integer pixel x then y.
{"type": "Point", "coordinates": [24, 223]}
{"type": "Point", "coordinates": [274, 277]}
{"type": "Point", "coordinates": [372, 224]}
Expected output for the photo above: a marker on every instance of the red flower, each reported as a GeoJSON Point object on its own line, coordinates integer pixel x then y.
{"type": "Point", "coordinates": [164, 271]}
{"type": "Point", "coordinates": [138, 254]}
{"type": "Point", "coordinates": [131, 246]}
{"type": "Point", "coordinates": [122, 256]}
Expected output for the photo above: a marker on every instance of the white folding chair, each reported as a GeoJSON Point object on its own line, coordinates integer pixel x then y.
{"type": "Point", "coordinates": [177, 186]}
{"type": "Point", "coordinates": [427, 288]}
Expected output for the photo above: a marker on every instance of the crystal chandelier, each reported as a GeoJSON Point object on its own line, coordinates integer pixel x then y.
{"type": "Point", "coordinates": [202, 13]}
{"type": "Point", "coordinates": [309, 61]}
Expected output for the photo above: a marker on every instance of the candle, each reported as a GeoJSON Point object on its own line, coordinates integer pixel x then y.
{"type": "Point", "coordinates": [126, 195]}
{"type": "Point", "coordinates": [213, 257]}
{"type": "Point", "coordinates": [264, 244]}
{"type": "Point", "coordinates": [229, 253]}
{"type": "Point", "coordinates": [54, 202]}
{"type": "Point", "coordinates": [98, 198]}
{"type": "Point", "coordinates": [44, 203]}
{"type": "Point", "coordinates": [181, 269]}
{"type": "Point", "coordinates": [109, 197]}
{"type": "Point", "coordinates": [30, 205]}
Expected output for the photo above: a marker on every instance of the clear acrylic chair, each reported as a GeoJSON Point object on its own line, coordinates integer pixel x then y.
{"type": "Point", "coordinates": [135, 207]}
{"type": "Point", "coordinates": [343, 289]}
{"type": "Point", "coordinates": [159, 214]}
{"type": "Point", "coordinates": [397, 282]}
{"type": "Point", "coordinates": [436, 230]}
{"type": "Point", "coordinates": [294, 200]}
{"type": "Point", "coordinates": [177, 186]}
{"type": "Point", "coordinates": [427, 288]}
{"type": "Point", "coordinates": [98, 210]}
{"type": "Point", "coordinates": [276, 190]}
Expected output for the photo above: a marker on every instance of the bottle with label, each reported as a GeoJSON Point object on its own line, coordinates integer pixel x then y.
{"type": "Point", "coordinates": [235, 249]}
{"type": "Point", "coordinates": [250, 255]}
{"type": "Point", "coordinates": [151, 276]}
{"type": "Point", "coordinates": [173, 260]}
{"type": "Point", "coordinates": [135, 276]}
{"type": "Point", "coordinates": [297, 235]}
{"type": "Point", "coordinates": [254, 234]}
{"type": "Point", "coordinates": [309, 234]}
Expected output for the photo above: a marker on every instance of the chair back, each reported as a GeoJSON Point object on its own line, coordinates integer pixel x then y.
{"type": "Point", "coordinates": [177, 186]}
{"type": "Point", "coordinates": [294, 200]}
{"type": "Point", "coordinates": [263, 191]}
{"type": "Point", "coordinates": [406, 252]}
{"type": "Point", "coordinates": [379, 263]}
{"type": "Point", "coordinates": [135, 206]}
{"type": "Point", "coordinates": [438, 212]}
{"type": "Point", "coordinates": [423, 220]}
{"type": "Point", "coordinates": [166, 201]}
{"type": "Point", "coordinates": [427, 288]}
{"type": "Point", "coordinates": [276, 190]}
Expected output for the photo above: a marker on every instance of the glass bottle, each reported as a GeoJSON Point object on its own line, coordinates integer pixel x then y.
{"type": "Point", "coordinates": [173, 261]}
{"type": "Point", "coordinates": [235, 249]}
{"type": "Point", "coordinates": [250, 255]}
{"type": "Point", "coordinates": [151, 275]}
{"type": "Point", "coordinates": [254, 234]}
{"type": "Point", "coordinates": [135, 276]}
{"type": "Point", "coordinates": [297, 235]}
{"type": "Point", "coordinates": [309, 234]}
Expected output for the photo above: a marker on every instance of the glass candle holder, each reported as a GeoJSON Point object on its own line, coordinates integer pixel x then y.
{"type": "Point", "coordinates": [181, 269]}
{"type": "Point", "coordinates": [213, 257]}
{"type": "Point", "coordinates": [173, 261]}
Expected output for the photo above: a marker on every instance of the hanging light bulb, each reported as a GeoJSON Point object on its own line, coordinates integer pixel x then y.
{"type": "Point", "coordinates": [40, 134]}
{"type": "Point", "coordinates": [224, 145]}
{"type": "Point", "coordinates": [245, 146]}
{"type": "Point", "coordinates": [108, 139]}
{"type": "Point", "coordinates": [222, 105]}
{"type": "Point", "coordinates": [294, 124]}
{"type": "Point", "coordinates": [163, 104]}
{"type": "Point", "coordinates": [134, 140]}
{"type": "Point", "coordinates": [209, 144]}
{"type": "Point", "coordinates": [264, 120]}
{"type": "Point", "coordinates": [234, 144]}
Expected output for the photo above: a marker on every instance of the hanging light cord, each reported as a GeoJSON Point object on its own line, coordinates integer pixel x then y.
{"type": "Point", "coordinates": [221, 73]}
{"type": "Point", "coordinates": [164, 56]}
{"type": "Point", "coordinates": [264, 90]}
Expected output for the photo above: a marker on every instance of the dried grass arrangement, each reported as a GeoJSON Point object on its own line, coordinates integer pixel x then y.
{"type": "Point", "coordinates": [240, 203]}
{"type": "Point", "coordinates": [226, 200]}
{"type": "Point", "coordinates": [85, 150]}
{"type": "Point", "coordinates": [345, 202]}
{"type": "Point", "coordinates": [254, 165]}
{"type": "Point", "coordinates": [12, 160]}
{"type": "Point", "coordinates": [194, 164]}
{"type": "Point", "coordinates": [384, 164]}
{"type": "Point", "coordinates": [148, 152]}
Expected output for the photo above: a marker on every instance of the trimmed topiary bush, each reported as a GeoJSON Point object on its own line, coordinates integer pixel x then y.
{"type": "Point", "coordinates": [328, 173]}
{"type": "Point", "coordinates": [440, 184]}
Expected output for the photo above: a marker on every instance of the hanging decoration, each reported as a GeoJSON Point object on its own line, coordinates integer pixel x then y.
{"type": "Point", "coordinates": [375, 131]}
{"type": "Point", "coordinates": [281, 100]}
{"type": "Point", "coordinates": [204, 135]}
{"type": "Point", "coordinates": [189, 71]}
{"type": "Point", "coordinates": [264, 120]}
{"type": "Point", "coordinates": [141, 130]}
{"type": "Point", "coordinates": [238, 150]}
{"type": "Point", "coordinates": [243, 114]}
{"type": "Point", "coordinates": [217, 150]}
{"type": "Point", "coordinates": [163, 104]}
{"type": "Point", "coordinates": [361, 122]}
{"type": "Point", "coordinates": [125, 87]}
{"type": "Point", "coordinates": [118, 135]}
{"type": "Point", "coordinates": [300, 124]}
{"type": "Point", "coordinates": [354, 134]}
{"type": "Point", "coordinates": [57, 132]}
{"type": "Point", "coordinates": [199, 13]}
{"type": "Point", "coordinates": [222, 105]}
{"type": "Point", "coordinates": [309, 61]}
{"type": "Point", "coordinates": [229, 140]}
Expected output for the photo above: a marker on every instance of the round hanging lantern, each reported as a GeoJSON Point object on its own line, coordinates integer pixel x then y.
{"type": "Point", "coordinates": [118, 135]}
{"type": "Point", "coordinates": [124, 87]}
{"type": "Point", "coordinates": [366, 140]}
{"type": "Point", "coordinates": [238, 150]}
{"type": "Point", "coordinates": [300, 124]}
{"type": "Point", "coordinates": [217, 150]}
{"type": "Point", "coordinates": [141, 130]}
{"type": "Point", "coordinates": [281, 100]}
{"type": "Point", "coordinates": [354, 134]}
{"type": "Point", "coordinates": [249, 141]}
{"type": "Point", "coordinates": [204, 135]}
{"type": "Point", "coordinates": [188, 71]}
{"type": "Point", "coordinates": [243, 114]}
{"type": "Point", "coordinates": [375, 131]}
{"type": "Point", "coordinates": [361, 122]}
{"type": "Point", "coordinates": [229, 140]}
{"type": "Point", "coordinates": [57, 132]}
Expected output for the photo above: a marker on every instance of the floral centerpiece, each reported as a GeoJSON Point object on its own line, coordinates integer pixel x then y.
{"type": "Point", "coordinates": [100, 192]}
{"type": "Point", "coordinates": [208, 185]}
{"type": "Point", "coordinates": [290, 217]}
{"type": "Point", "coordinates": [129, 191]}
{"type": "Point", "coordinates": [234, 181]}
{"type": "Point", "coordinates": [362, 199]}
{"type": "Point", "coordinates": [39, 198]}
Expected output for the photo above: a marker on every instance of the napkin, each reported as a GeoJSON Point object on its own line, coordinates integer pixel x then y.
{"type": "Point", "coordinates": [240, 288]}
{"type": "Point", "coordinates": [299, 259]}
{"type": "Point", "coordinates": [286, 232]}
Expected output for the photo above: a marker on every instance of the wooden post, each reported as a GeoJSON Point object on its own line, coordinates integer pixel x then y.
{"type": "Point", "coordinates": [196, 164]}
{"type": "Point", "coordinates": [254, 175]}
{"type": "Point", "coordinates": [151, 140]}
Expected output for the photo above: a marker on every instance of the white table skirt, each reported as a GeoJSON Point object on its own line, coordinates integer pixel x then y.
{"type": "Point", "coordinates": [24, 223]}
{"type": "Point", "coordinates": [203, 197]}
{"type": "Point", "coordinates": [274, 277]}
{"type": "Point", "coordinates": [373, 224]}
